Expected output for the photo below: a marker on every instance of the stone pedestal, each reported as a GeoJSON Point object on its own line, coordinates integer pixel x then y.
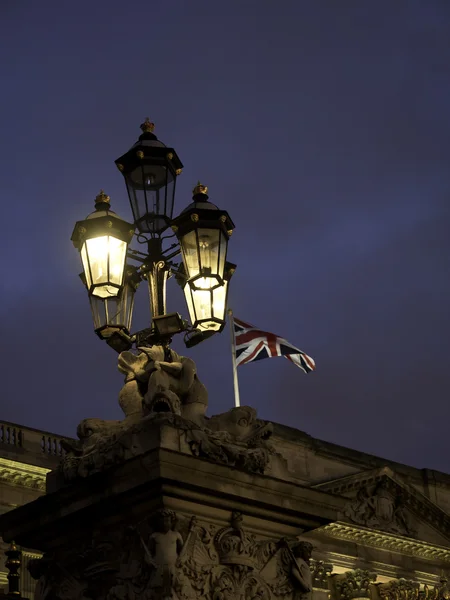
{"type": "Point", "coordinates": [164, 508]}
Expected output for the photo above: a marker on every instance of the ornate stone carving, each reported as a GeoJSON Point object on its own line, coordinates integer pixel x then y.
{"type": "Point", "coordinates": [438, 592]}
{"type": "Point", "coordinates": [399, 589]}
{"type": "Point", "coordinates": [177, 558]}
{"type": "Point", "coordinates": [320, 573]}
{"type": "Point", "coordinates": [236, 438]}
{"type": "Point", "coordinates": [161, 393]}
{"type": "Point", "coordinates": [297, 556]}
{"type": "Point", "coordinates": [16, 473]}
{"type": "Point", "coordinates": [377, 508]}
{"type": "Point", "coordinates": [354, 584]}
{"type": "Point", "coordinates": [410, 498]}
{"type": "Point", "coordinates": [164, 382]}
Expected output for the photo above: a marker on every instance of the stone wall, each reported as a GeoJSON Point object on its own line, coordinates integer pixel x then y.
{"type": "Point", "coordinates": [26, 456]}
{"type": "Point", "coordinates": [391, 540]}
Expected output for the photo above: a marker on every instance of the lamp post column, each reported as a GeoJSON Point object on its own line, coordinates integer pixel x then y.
{"type": "Point", "coordinates": [157, 273]}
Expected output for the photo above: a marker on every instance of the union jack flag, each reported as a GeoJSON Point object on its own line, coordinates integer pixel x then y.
{"type": "Point", "coordinates": [253, 344]}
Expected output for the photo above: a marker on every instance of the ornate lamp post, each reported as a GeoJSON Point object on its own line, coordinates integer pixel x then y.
{"type": "Point", "coordinates": [150, 170]}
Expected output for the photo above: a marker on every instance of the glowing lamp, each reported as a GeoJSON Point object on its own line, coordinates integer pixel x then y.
{"type": "Point", "coordinates": [203, 231]}
{"type": "Point", "coordinates": [102, 239]}
{"type": "Point", "coordinates": [207, 308]}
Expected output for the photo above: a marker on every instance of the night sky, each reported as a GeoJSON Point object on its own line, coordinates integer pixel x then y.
{"type": "Point", "coordinates": [323, 127]}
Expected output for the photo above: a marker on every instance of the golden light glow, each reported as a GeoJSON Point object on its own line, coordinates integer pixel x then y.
{"type": "Point", "coordinates": [99, 253]}
{"type": "Point", "coordinates": [204, 304]}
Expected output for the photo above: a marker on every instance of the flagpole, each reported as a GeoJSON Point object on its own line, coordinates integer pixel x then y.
{"type": "Point", "coordinates": [233, 358]}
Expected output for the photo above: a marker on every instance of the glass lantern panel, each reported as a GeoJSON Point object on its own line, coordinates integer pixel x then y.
{"type": "Point", "coordinates": [190, 254]}
{"type": "Point", "coordinates": [190, 304]}
{"type": "Point", "coordinates": [151, 193]}
{"type": "Point", "coordinates": [87, 271]}
{"type": "Point", "coordinates": [104, 261]}
{"type": "Point", "coordinates": [113, 313]}
{"type": "Point", "coordinates": [200, 307]}
{"type": "Point", "coordinates": [223, 244]}
{"type": "Point", "coordinates": [117, 256]}
{"type": "Point", "coordinates": [209, 252]}
{"type": "Point", "coordinates": [219, 300]}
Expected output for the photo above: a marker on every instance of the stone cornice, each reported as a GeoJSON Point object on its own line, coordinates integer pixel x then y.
{"type": "Point", "coordinates": [16, 473]}
{"type": "Point", "coordinates": [386, 541]}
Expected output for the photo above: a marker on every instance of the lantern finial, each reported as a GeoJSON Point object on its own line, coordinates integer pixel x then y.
{"type": "Point", "coordinates": [101, 200]}
{"type": "Point", "coordinates": [147, 126]}
{"type": "Point", "coordinates": [200, 190]}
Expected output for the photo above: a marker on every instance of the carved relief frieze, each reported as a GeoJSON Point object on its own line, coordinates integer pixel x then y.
{"type": "Point", "coordinates": [173, 557]}
{"type": "Point", "coordinates": [384, 503]}
{"type": "Point", "coordinates": [378, 508]}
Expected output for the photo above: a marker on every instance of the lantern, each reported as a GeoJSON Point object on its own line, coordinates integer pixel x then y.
{"type": "Point", "coordinates": [207, 308]}
{"type": "Point", "coordinates": [203, 231]}
{"type": "Point", "coordinates": [103, 239]}
{"type": "Point", "coordinates": [113, 314]}
{"type": "Point", "coordinates": [150, 170]}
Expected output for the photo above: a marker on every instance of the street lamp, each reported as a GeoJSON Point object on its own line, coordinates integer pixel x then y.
{"type": "Point", "coordinates": [203, 231]}
{"type": "Point", "coordinates": [150, 170]}
{"type": "Point", "coordinates": [113, 314]}
{"type": "Point", "coordinates": [102, 239]}
{"type": "Point", "coordinates": [207, 308]}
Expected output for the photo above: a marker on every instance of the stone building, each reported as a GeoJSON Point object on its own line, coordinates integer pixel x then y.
{"type": "Point", "coordinates": [390, 538]}
{"type": "Point", "coordinates": [26, 456]}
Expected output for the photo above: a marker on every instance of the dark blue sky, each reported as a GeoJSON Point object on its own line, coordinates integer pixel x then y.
{"type": "Point", "coordinates": [322, 127]}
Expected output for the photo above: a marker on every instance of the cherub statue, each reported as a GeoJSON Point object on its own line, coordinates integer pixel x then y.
{"type": "Point", "coordinates": [164, 554]}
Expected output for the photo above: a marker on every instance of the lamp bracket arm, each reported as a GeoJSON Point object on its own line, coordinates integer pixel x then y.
{"type": "Point", "coordinates": [173, 254]}
{"type": "Point", "coordinates": [136, 255]}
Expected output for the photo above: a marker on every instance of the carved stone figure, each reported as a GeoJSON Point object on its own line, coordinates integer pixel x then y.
{"type": "Point", "coordinates": [166, 557]}
{"type": "Point", "coordinates": [376, 508]}
{"type": "Point", "coordinates": [160, 380]}
{"type": "Point", "coordinates": [162, 389]}
{"type": "Point", "coordinates": [297, 556]}
{"type": "Point", "coordinates": [164, 553]}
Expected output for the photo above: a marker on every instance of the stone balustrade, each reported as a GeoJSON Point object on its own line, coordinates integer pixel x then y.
{"type": "Point", "coordinates": [17, 441]}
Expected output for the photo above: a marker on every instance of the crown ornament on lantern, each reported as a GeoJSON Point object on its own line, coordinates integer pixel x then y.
{"type": "Point", "coordinates": [200, 189]}
{"type": "Point", "coordinates": [147, 126]}
{"type": "Point", "coordinates": [101, 199]}
{"type": "Point", "coordinates": [234, 545]}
